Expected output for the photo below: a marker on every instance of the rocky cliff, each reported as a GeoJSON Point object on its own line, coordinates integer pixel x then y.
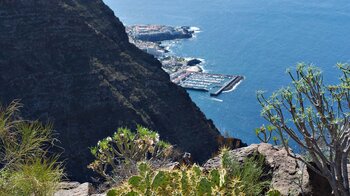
{"type": "Point", "coordinates": [70, 63]}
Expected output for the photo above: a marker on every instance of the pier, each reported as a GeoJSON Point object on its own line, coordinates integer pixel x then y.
{"type": "Point", "coordinates": [212, 83]}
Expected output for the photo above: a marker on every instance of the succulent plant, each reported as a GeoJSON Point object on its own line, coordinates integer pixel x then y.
{"type": "Point", "coordinates": [117, 156]}
{"type": "Point", "coordinates": [186, 181]}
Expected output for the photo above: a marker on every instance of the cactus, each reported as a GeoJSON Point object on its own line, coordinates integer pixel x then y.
{"type": "Point", "coordinates": [117, 156]}
{"type": "Point", "coordinates": [136, 153]}
{"type": "Point", "coordinates": [185, 182]}
{"type": "Point", "coordinates": [273, 192]}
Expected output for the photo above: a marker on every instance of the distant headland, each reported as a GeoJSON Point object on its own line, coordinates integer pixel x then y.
{"type": "Point", "coordinates": [151, 39]}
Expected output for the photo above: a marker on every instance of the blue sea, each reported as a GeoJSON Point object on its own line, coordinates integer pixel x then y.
{"type": "Point", "coordinates": [259, 39]}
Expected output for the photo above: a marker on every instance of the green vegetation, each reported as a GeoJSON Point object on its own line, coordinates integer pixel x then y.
{"type": "Point", "coordinates": [37, 177]}
{"type": "Point", "coordinates": [265, 134]}
{"type": "Point", "coordinates": [250, 172]}
{"type": "Point", "coordinates": [117, 156]}
{"type": "Point", "coordinates": [185, 181]}
{"type": "Point", "coordinates": [316, 117]}
{"type": "Point", "coordinates": [231, 178]}
{"type": "Point", "coordinates": [25, 168]}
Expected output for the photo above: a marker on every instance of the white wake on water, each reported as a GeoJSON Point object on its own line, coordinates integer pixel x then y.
{"type": "Point", "coordinates": [216, 99]}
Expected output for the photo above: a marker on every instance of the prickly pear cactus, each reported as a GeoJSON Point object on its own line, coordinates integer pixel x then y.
{"type": "Point", "coordinates": [185, 182]}
{"type": "Point", "coordinates": [231, 179]}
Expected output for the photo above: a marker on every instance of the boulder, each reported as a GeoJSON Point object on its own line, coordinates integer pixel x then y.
{"type": "Point", "coordinates": [193, 62]}
{"type": "Point", "coordinates": [74, 189]}
{"type": "Point", "coordinates": [289, 176]}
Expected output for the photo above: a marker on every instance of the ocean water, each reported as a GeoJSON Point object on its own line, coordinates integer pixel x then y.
{"type": "Point", "coordinates": [259, 39]}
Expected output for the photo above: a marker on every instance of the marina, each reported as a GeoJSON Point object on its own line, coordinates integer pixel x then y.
{"type": "Point", "coordinates": [212, 83]}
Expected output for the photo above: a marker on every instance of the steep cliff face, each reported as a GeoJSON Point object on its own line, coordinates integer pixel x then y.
{"type": "Point", "coordinates": [70, 63]}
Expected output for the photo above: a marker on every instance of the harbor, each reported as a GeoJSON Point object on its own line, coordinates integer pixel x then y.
{"type": "Point", "coordinates": [212, 83]}
{"type": "Point", "coordinates": [185, 72]}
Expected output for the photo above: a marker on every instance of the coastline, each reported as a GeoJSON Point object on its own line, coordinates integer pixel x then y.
{"type": "Point", "coordinates": [157, 40]}
{"type": "Point", "coordinates": [187, 72]}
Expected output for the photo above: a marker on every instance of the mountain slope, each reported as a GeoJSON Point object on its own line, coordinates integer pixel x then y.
{"type": "Point", "coordinates": [70, 63]}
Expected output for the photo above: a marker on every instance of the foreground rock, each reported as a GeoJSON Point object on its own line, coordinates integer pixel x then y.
{"type": "Point", "coordinates": [288, 176]}
{"type": "Point", "coordinates": [76, 189]}
{"type": "Point", "coordinates": [70, 63]}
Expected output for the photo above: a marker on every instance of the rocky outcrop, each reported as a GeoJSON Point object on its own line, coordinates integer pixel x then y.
{"type": "Point", "coordinates": [70, 63]}
{"type": "Point", "coordinates": [288, 175]}
{"type": "Point", "coordinates": [75, 189]}
{"type": "Point", "coordinates": [193, 62]}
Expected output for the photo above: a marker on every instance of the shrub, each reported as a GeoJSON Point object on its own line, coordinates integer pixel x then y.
{"type": "Point", "coordinates": [117, 156]}
{"type": "Point", "coordinates": [316, 117]}
{"type": "Point", "coordinates": [38, 177]}
{"type": "Point", "coordinates": [250, 172]}
{"type": "Point", "coordinates": [25, 168]}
